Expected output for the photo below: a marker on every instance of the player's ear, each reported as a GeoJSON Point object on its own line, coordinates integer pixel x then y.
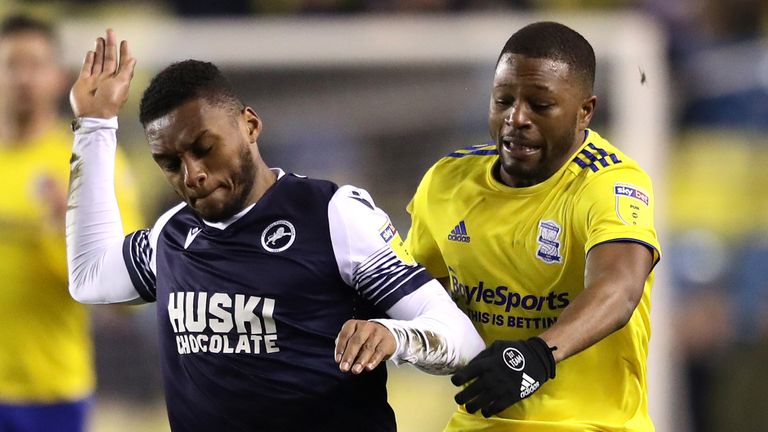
{"type": "Point", "coordinates": [253, 123]}
{"type": "Point", "coordinates": [586, 111]}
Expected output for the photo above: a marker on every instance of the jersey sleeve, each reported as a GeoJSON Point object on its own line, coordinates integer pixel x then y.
{"type": "Point", "coordinates": [618, 205]}
{"type": "Point", "coordinates": [140, 258]}
{"type": "Point", "coordinates": [420, 242]}
{"type": "Point", "coordinates": [137, 256]}
{"type": "Point", "coordinates": [369, 251]}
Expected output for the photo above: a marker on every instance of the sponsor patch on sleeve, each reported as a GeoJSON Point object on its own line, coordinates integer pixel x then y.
{"type": "Point", "coordinates": [390, 235]}
{"type": "Point", "coordinates": [632, 204]}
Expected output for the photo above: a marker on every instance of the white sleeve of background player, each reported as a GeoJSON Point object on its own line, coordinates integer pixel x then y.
{"type": "Point", "coordinates": [430, 331]}
{"type": "Point", "coordinates": [94, 231]}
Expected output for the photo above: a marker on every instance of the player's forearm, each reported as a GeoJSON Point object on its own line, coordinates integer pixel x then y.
{"type": "Point", "coordinates": [431, 332]}
{"type": "Point", "coordinates": [94, 233]}
{"type": "Point", "coordinates": [592, 316]}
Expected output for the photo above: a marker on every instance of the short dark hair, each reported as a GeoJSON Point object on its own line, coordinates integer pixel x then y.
{"type": "Point", "coordinates": [16, 24]}
{"type": "Point", "coordinates": [554, 41]}
{"type": "Point", "coordinates": [182, 82]}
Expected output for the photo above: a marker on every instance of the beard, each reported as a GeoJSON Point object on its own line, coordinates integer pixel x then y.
{"type": "Point", "coordinates": [243, 180]}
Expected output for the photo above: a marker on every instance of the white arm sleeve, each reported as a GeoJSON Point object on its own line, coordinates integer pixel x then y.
{"type": "Point", "coordinates": [94, 232]}
{"type": "Point", "coordinates": [431, 332]}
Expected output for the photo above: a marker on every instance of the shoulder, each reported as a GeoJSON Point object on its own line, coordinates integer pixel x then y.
{"type": "Point", "coordinates": [351, 200]}
{"type": "Point", "coordinates": [354, 209]}
{"type": "Point", "coordinates": [460, 165]}
{"type": "Point", "coordinates": [607, 173]}
{"type": "Point", "coordinates": [305, 186]}
{"type": "Point", "coordinates": [600, 161]}
{"type": "Point", "coordinates": [469, 157]}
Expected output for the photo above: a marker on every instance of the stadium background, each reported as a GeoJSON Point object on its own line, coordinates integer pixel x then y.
{"type": "Point", "coordinates": [371, 92]}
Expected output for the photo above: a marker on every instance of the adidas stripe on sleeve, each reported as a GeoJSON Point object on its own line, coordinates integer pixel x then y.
{"type": "Point", "coordinates": [369, 251]}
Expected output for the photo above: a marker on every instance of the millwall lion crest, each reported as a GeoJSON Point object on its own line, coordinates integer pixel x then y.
{"type": "Point", "coordinates": [278, 236]}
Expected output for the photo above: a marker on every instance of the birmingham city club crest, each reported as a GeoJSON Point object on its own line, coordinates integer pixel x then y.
{"type": "Point", "coordinates": [549, 244]}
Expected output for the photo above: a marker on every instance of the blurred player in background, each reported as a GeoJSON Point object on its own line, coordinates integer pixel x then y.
{"type": "Point", "coordinates": [545, 238]}
{"type": "Point", "coordinates": [46, 364]}
{"type": "Point", "coordinates": [264, 280]}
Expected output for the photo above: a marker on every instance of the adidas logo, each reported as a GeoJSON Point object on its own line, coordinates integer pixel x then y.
{"type": "Point", "coordinates": [459, 233]}
{"type": "Point", "coordinates": [528, 385]}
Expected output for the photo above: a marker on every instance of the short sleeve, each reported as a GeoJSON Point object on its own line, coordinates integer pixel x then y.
{"type": "Point", "coordinates": [137, 254]}
{"type": "Point", "coordinates": [140, 255]}
{"type": "Point", "coordinates": [369, 251]}
{"type": "Point", "coordinates": [618, 205]}
{"type": "Point", "coordinates": [420, 242]}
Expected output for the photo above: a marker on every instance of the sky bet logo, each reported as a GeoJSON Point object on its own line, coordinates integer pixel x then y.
{"type": "Point", "coordinates": [630, 191]}
{"type": "Point", "coordinates": [501, 295]}
{"type": "Point", "coordinates": [459, 233]}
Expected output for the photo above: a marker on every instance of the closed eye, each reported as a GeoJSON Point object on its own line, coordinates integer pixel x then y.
{"type": "Point", "coordinates": [541, 106]}
{"type": "Point", "coordinates": [201, 151]}
{"type": "Point", "coordinates": [168, 164]}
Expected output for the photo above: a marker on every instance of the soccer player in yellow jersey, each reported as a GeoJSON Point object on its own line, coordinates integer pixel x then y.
{"type": "Point", "coordinates": [545, 239]}
{"type": "Point", "coordinates": [46, 365]}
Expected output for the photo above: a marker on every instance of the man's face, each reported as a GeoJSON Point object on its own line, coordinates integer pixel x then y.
{"type": "Point", "coordinates": [538, 109]}
{"type": "Point", "coordinates": [208, 154]}
{"type": "Point", "coordinates": [31, 80]}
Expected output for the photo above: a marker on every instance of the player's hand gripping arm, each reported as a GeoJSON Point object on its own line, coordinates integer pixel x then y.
{"type": "Point", "coordinates": [94, 232]}
{"type": "Point", "coordinates": [509, 371]}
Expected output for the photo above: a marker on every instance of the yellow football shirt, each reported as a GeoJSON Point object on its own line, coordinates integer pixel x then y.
{"type": "Point", "coordinates": [46, 352]}
{"type": "Point", "coordinates": [515, 258]}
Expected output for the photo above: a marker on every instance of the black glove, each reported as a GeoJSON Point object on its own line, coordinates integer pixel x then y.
{"type": "Point", "coordinates": [505, 372]}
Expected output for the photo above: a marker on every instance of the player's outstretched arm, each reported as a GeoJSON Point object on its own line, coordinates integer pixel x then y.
{"type": "Point", "coordinates": [94, 233]}
{"type": "Point", "coordinates": [613, 286]}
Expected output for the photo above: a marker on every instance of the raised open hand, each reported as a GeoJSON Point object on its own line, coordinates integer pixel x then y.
{"type": "Point", "coordinates": [101, 88]}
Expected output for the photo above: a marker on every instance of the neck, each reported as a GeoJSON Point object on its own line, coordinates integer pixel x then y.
{"type": "Point", "coordinates": [22, 128]}
{"type": "Point", "coordinates": [265, 178]}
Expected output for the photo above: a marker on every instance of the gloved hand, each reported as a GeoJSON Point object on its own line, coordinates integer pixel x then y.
{"type": "Point", "coordinates": [504, 373]}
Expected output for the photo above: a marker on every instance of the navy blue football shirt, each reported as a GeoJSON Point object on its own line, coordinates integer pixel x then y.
{"type": "Point", "coordinates": [249, 309]}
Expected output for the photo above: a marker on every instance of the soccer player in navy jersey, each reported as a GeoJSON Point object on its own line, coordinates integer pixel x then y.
{"type": "Point", "coordinates": [278, 296]}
